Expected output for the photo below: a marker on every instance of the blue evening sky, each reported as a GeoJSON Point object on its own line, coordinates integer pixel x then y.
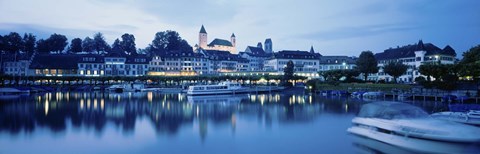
{"type": "Point", "coordinates": [333, 27]}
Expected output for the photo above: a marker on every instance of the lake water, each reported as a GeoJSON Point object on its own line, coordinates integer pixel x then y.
{"type": "Point", "coordinates": [150, 122]}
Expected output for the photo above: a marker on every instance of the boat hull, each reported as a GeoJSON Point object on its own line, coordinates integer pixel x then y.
{"type": "Point", "coordinates": [415, 144]}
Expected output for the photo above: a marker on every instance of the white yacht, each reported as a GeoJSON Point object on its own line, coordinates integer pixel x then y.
{"type": "Point", "coordinates": [133, 87]}
{"type": "Point", "coordinates": [409, 127]}
{"type": "Point", "coordinates": [471, 117]}
{"type": "Point", "coordinates": [221, 88]}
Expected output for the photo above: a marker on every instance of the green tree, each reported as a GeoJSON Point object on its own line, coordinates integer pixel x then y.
{"type": "Point", "coordinates": [395, 69]}
{"type": "Point", "coordinates": [100, 45]}
{"type": "Point", "coordinates": [288, 72]}
{"type": "Point", "coordinates": [128, 44]}
{"type": "Point", "coordinates": [117, 47]}
{"type": "Point", "coordinates": [56, 42]}
{"type": "Point", "coordinates": [42, 46]}
{"type": "Point", "coordinates": [88, 45]}
{"type": "Point", "coordinates": [2, 44]}
{"type": "Point", "coordinates": [168, 41]}
{"type": "Point", "coordinates": [470, 64]}
{"type": "Point", "coordinates": [29, 42]}
{"type": "Point", "coordinates": [75, 45]}
{"type": "Point", "coordinates": [427, 70]}
{"type": "Point", "coordinates": [13, 42]}
{"type": "Point", "coordinates": [367, 64]}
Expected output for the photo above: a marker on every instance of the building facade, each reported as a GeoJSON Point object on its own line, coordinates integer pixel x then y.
{"type": "Point", "coordinates": [414, 56]}
{"type": "Point", "coordinates": [305, 63]}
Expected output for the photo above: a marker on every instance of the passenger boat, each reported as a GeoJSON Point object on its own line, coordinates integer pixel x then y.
{"type": "Point", "coordinates": [471, 117]}
{"type": "Point", "coordinates": [409, 127]}
{"type": "Point", "coordinates": [221, 88]}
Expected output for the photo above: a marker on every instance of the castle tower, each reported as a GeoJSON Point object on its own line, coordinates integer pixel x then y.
{"type": "Point", "coordinates": [233, 40]}
{"type": "Point", "coordinates": [202, 38]}
{"type": "Point", "coordinates": [268, 45]}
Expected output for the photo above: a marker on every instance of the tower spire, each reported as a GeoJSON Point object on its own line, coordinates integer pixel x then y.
{"type": "Point", "coordinates": [202, 30]}
{"type": "Point", "coordinates": [311, 50]}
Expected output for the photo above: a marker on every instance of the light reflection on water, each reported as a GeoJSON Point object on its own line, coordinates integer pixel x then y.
{"type": "Point", "coordinates": [175, 123]}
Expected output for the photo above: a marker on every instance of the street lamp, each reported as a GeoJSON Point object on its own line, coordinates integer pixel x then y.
{"type": "Point", "coordinates": [344, 67]}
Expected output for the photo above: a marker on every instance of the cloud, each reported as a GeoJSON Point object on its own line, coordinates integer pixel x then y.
{"type": "Point", "coordinates": [357, 32]}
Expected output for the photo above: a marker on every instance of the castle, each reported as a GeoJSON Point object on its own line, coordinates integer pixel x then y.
{"type": "Point", "coordinates": [216, 44]}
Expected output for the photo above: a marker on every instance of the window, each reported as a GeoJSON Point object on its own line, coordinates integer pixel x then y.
{"type": "Point", "coordinates": [419, 59]}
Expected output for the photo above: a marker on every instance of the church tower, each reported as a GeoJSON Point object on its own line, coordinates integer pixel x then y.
{"type": "Point", "coordinates": [202, 38]}
{"type": "Point", "coordinates": [268, 46]}
{"type": "Point", "coordinates": [233, 40]}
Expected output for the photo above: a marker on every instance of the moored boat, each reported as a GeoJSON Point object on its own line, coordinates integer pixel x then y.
{"type": "Point", "coordinates": [409, 127]}
{"type": "Point", "coordinates": [221, 88]}
{"type": "Point", "coordinates": [471, 117]}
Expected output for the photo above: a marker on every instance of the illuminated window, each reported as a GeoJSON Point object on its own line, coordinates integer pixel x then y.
{"type": "Point", "coordinates": [88, 72]}
{"type": "Point", "coordinates": [81, 72]}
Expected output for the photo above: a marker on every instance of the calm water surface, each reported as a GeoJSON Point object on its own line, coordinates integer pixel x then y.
{"type": "Point", "coordinates": [150, 122]}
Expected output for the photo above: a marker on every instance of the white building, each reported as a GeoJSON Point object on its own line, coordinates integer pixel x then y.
{"type": "Point", "coordinates": [305, 63]}
{"type": "Point", "coordinates": [336, 62]}
{"type": "Point", "coordinates": [256, 57]}
{"type": "Point", "coordinates": [178, 63]}
{"type": "Point", "coordinates": [413, 56]}
{"type": "Point", "coordinates": [216, 44]}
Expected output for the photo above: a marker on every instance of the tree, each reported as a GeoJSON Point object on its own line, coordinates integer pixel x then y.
{"type": "Point", "coordinates": [128, 44]}
{"type": "Point", "coordinates": [57, 42]}
{"type": "Point", "coordinates": [470, 64]}
{"type": "Point", "coordinates": [75, 45]}
{"type": "Point", "coordinates": [367, 63]}
{"type": "Point", "coordinates": [2, 44]}
{"type": "Point", "coordinates": [168, 41]}
{"type": "Point", "coordinates": [117, 47]}
{"type": "Point", "coordinates": [42, 46]}
{"type": "Point", "coordinates": [88, 45]}
{"type": "Point", "coordinates": [13, 42]}
{"type": "Point", "coordinates": [332, 76]}
{"type": "Point", "coordinates": [395, 69]}
{"type": "Point", "coordinates": [427, 70]}
{"type": "Point", "coordinates": [100, 45]}
{"type": "Point", "coordinates": [288, 72]}
{"type": "Point", "coordinates": [29, 43]}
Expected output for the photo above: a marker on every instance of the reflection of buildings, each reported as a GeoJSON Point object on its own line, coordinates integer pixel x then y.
{"type": "Point", "coordinates": [167, 112]}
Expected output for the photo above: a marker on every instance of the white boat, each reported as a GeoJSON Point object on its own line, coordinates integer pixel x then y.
{"type": "Point", "coordinates": [218, 89]}
{"type": "Point", "coordinates": [409, 127]}
{"type": "Point", "coordinates": [373, 95]}
{"type": "Point", "coordinates": [471, 117]}
{"type": "Point", "coordinates": [132, 87]}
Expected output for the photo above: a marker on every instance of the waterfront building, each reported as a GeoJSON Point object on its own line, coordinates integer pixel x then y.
{"type": "Point", "coordinates": [117, 64]}
{"type": "Point", "coordinates": [91, 65]}
{"type": "Point", "coordinates": [305, 63]}
{"type": "Point", "coordinates": [15, 65]}
{"type": "Point", "coordinates": [216, 44]}
{"type": "Point", "coordinates": [54, 65]}
{"type": "Point", "coordinates": [336, 62]}
{"type": "Point", "coordinates": [413, 56]}
{"type": "Point", "coordinates": [256, 57]}
{"type": "Point", "coordinates": [224, 61]}
{"type": "Point", "coordinates": [179, 63]}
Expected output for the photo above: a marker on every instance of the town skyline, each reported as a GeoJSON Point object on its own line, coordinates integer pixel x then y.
{"type": "Point", "coordinates": [324, 25]}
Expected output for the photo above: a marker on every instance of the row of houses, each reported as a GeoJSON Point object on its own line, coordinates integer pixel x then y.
{"type": "Point", "coordinates": [252, 61]}
{"type": "Point", "coordinates": [174, 63]}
